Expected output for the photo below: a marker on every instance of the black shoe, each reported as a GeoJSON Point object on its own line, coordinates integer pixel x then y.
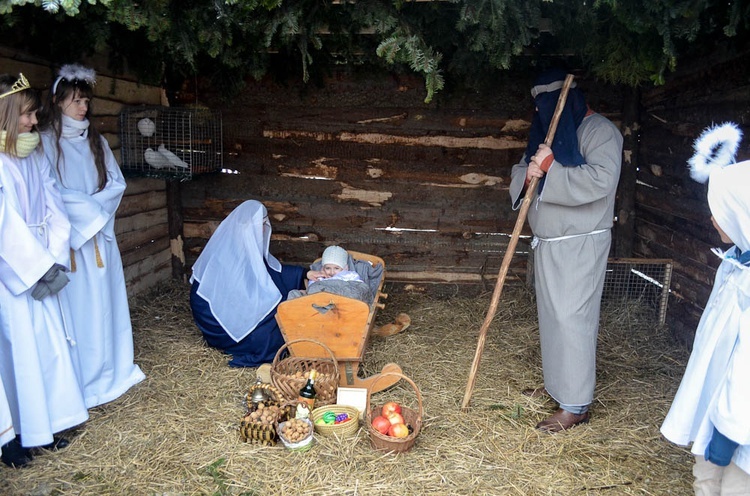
{"type": "Point", "coordinates": [15, 455]}
{"type": "Point", "coordinates": [57, 443]}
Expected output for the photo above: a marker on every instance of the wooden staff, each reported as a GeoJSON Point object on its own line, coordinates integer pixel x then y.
{"type": "Point", "coordinates": [512, 248]}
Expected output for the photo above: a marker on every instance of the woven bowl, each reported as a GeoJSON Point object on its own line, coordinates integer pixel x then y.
{"type": "Point", "coordinates": [345, 429]}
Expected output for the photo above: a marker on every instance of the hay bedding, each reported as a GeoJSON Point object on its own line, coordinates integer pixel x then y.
{"type": "Point", "coordinates": [177, 432]}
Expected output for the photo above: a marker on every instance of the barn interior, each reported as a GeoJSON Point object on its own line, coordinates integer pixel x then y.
{"type": "Point", "coordinates": [346, 139]}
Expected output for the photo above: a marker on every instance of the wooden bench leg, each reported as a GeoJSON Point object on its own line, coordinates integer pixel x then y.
{"type": "Point", "coordinates": [349, 378]}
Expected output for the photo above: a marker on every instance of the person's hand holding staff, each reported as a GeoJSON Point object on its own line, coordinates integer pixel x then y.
{"type": "Point", "coordinates": [512, 248]}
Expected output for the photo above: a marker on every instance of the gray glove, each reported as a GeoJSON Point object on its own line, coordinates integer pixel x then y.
{"type": "Point", "coordinates": [51, 282]}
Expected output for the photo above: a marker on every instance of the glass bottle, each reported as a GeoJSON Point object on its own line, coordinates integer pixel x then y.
{"type": "Point", "coordinates": [307, 393]}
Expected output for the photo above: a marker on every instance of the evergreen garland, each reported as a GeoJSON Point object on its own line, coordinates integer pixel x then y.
{"type": "Point", "coordinates": [632, 42]}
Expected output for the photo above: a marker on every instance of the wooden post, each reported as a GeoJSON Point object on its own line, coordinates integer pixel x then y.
{"type": "Point", "coordinates": [624, 228]}
{"type": "Point", "coordinates": [174, 214]}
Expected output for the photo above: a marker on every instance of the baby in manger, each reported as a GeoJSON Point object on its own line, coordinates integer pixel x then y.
{"type": "Point", "coordinates": [337, 272]}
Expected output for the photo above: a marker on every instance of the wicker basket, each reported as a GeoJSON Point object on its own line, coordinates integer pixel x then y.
{"type": "Point", "coordinates": [412, 418]}
{"type": "Point", "coordinates": [254, 432]}
{"type": "Point", "coordinates": [288, 375]}
{"type": "Point", "coordinates": [345, 429]}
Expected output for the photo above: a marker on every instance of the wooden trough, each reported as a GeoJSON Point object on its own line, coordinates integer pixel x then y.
{"type": "Point", "coordinates": [343, 324]}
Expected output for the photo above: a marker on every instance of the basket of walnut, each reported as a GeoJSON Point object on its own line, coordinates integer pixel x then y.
{"type": "Point", "coordinates": [296, 434]}
{"type": "Point", "coordinates": [258, 426]}
{"type": "Point", "coordinates": [290, 374]}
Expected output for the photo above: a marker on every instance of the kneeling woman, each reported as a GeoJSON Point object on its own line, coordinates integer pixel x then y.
{"type": "Point", "coordinates": [237, 285]}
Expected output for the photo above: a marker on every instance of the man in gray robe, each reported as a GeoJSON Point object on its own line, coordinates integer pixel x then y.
{"type": "Point", "coordinates": [571, 215]}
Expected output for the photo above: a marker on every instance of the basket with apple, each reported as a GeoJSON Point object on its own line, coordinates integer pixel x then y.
{"type": "Point", "coordinates": [394, 427]}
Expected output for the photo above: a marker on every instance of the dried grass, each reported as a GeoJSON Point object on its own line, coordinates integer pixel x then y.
{"type": "Point", "coordinates": [177, 432]}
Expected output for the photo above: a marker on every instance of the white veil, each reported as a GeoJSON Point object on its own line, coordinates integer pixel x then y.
{"type": "Point", "coordinates": [232, 276]}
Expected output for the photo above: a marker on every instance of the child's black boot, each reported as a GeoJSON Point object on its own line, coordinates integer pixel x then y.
{"type": "Point", "coordinates": [15, 455]}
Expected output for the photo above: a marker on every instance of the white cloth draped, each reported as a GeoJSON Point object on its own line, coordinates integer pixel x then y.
{"type": "Point", "coordinates": [231, 271]}
{"type": "Point", "coordinates": [36, 368]}
{"type": "Point", "coordinates": [715, 391]}
{"type": "Point", "coordinates": [7, 433]}
{"type": "Point", "coordinates": [99, 303]}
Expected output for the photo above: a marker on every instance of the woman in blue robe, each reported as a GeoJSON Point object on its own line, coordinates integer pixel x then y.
{"type": "Point", "coordinates": [237, 286]}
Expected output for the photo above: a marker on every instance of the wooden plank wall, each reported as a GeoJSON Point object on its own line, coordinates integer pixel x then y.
{"type": "Point", "coordinates": [368, 165]}
{"type": "Point", "coordinates": [141, 223]}
{"type": "Point", "coordinates": [672, 214]}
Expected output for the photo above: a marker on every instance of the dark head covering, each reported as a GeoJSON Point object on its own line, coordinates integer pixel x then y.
{"type": "Point", "coordinates": [565, 144]}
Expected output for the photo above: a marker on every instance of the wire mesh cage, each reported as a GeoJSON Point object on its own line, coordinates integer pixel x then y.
{"type": "Point", "coordinates": [169, 142]}
{"type": "Point", "coordinates": [641, 279]}
{"type": "Point", "coordinates": [632, 279]}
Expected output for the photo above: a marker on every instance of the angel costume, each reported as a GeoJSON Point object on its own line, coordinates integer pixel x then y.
{"type": "Point", "coordinates": [37, 371]}
{"type": "Point", "coordinates": [99, 301]}
{"type": "Point", "coordinates": [715, 391]}
{"type": "Point", "coordinates": [237, 286]}
{"type": "Point", "coordinates": [570, 216]}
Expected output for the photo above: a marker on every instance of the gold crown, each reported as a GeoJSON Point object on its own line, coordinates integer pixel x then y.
{"type": "Point", "coordinates": [20, 85]}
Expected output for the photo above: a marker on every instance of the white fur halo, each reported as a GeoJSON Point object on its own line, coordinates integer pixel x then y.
{"type": "Point", "coordinates": [715, 147]}
{"type": "Point", "coordinates": [71, 72]}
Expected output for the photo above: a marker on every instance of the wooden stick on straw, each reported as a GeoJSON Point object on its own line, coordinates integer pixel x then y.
{"type": "Point", "coordinates": [512, 248]}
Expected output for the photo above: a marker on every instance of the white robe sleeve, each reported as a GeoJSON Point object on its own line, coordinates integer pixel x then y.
{"type": "Point", "coordinates": [93, 213]}
{"type": "Point", "coordinates": [23, 256]}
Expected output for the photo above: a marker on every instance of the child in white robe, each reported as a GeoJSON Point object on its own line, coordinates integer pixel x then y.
{"type": "Point", "coordinates": [711, 409]}
{"type": "Point", "coordinates": [92, 186]}
{"type": "Point", "coordinates": [37, 372]}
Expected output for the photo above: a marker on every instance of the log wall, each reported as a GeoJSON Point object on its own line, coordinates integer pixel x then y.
{"type": "Point", "coordinates": [672, 214]}
{"type": "Point", "coordinates": [366, 164]}
{"type": "Point", "coordinates": [363, 162]}
{"type": "Point", "coordinates": [141, 223]}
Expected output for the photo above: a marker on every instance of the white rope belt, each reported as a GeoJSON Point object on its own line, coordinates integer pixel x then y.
{"type": "Point", "coordinates": [535, 241]}
{"type": "Point", "coordinates": [42, 229]}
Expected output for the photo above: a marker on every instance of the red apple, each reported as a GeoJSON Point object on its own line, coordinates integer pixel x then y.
{"type": "Point", "coordinates": [381, 424]}
{"type": "Point", "coordinates": [390, 407]}
{"type": "Point", "coordinates": [395, 418]}
{"type": "Point", "coordinates": [398, 430]}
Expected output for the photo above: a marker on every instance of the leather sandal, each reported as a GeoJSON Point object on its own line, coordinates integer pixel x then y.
{"type": "Point", "coordinates": [264, 373]}
{"type": "Point", "coordinates": [400, 324]}
{"type": "Point", "coordinates": [562, 420]}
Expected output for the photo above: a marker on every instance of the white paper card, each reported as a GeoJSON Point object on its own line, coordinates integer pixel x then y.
{"type": "Point", "coordinates": [356, 397]}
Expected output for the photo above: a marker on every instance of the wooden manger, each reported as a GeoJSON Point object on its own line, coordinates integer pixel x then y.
{"type": "Point", "coordinates": [343, 324]}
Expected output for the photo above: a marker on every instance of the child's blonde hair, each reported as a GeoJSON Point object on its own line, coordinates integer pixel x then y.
{"type": "Point", "coordinates": [12, 106]}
